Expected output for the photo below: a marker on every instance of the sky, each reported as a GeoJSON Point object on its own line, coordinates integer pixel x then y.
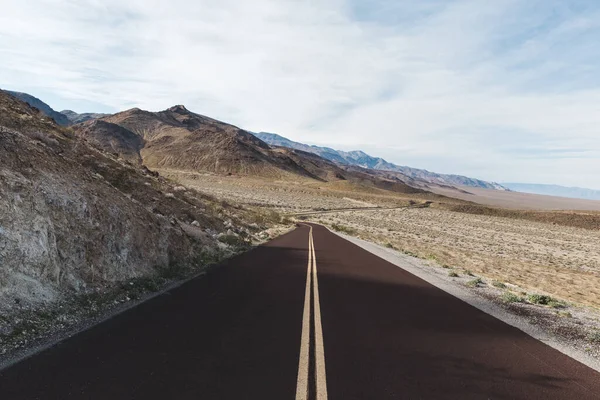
{"type": "Point", "coordinates": [503, 90]}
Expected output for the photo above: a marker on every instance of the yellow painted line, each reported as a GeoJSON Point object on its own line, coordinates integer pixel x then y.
{"type": "Point", "coordinates": [321, 377]}
{"type": "Point", "coordinates": [302, 384]}
{"type": "Point", "coordinates": [303, 364]}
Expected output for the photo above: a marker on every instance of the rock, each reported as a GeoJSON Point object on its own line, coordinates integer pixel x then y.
{"type": "Point", "coordinates": [196, 223]}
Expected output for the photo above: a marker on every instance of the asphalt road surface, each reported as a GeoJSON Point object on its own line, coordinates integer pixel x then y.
{"type": "Point", "coordinates": [307, 316]}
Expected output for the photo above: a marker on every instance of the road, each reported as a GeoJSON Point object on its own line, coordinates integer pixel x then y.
{"type": "Point", "coordinates": [308, 315]}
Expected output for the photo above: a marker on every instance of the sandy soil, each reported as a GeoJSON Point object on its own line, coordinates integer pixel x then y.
{"type": "Point", "coordinates": [287, 196]}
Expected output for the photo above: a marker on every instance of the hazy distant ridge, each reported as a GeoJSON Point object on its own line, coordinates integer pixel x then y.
{"type": "Point", "coordinates": [555, 190]}
{"type": "Point", "coordinates": [362, 159]}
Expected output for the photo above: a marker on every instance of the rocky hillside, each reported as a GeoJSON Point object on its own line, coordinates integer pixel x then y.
{"type": "Point", "coordinates": [178, 139]}
{"type": "Point", "coordinates": [74, 219]}
{"type": "Point", "coordinates": [59, 118]}
{"type": "Point", "coordinates": [361, 159]}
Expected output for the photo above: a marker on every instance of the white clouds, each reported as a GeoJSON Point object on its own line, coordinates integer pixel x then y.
{"type": "Point", "coordinates": [452, 85]}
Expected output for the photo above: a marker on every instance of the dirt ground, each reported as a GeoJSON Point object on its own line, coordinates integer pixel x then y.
{"type": "Point", "coordinates": [288, 196]}
{"type": "Point", "coordinates": [517, 200]}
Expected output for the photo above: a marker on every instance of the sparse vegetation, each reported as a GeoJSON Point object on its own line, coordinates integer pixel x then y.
{"type": "Point", "coordinates": [498, 284]}
{"type": "Point", "coordinates": [343, 229]}
{"type": "Point", "coordinates": [475, 282]}
{"type": "Point", "coordinates": [410, 253]}
{"type": "Point", "coordinates": [509, 297]}
{"type": "Point", "coordinates": [453, 274]}
{"type": "Point", "coordinates": [539, 299]}
{"type": "Point", "coordinates": [554, 303]}
{"type": "Point", "coordinates": [564, 314]}
{"type": "Point", "coordinates": [266, 217]}
{"type": "Point", "coordinates": [545, 300]}
{"type": "Point", "coordinates": [594, 336]}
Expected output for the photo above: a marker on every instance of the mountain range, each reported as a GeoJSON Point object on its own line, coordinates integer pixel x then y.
{"type": "Point", "coordinates": [359, 158]}
{"type": "Point", "coordinates": [179, 139]}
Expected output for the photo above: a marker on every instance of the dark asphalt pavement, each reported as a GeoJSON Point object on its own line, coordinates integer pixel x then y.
{"type": "Point", "coordinates": [236, 334]}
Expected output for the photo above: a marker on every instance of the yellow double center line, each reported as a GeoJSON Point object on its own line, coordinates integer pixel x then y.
{"type": "Point", "coordinates": [312, 282]}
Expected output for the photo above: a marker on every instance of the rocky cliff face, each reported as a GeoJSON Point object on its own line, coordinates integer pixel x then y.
{"type": "Point", "coordinates": [73, 218]}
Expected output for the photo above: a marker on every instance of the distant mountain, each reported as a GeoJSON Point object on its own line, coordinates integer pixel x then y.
{"type": "Point", "coordinates": [555, 190]}
{"type": "Point", "coordinates": [76, 118]}
{"type": "Point", "coordinates": [361, 159]}
{"type": "Point", "coordinates": [40, 105]}
{"type": "Point", "coordinates": [182, 141]}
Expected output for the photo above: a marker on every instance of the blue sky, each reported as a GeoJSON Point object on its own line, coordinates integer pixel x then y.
{"type": "Point", "coordinates": [506, 90]}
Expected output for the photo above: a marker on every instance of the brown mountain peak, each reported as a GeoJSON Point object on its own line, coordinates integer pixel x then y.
{"type": "Point", "coordinates": [178, 109]}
